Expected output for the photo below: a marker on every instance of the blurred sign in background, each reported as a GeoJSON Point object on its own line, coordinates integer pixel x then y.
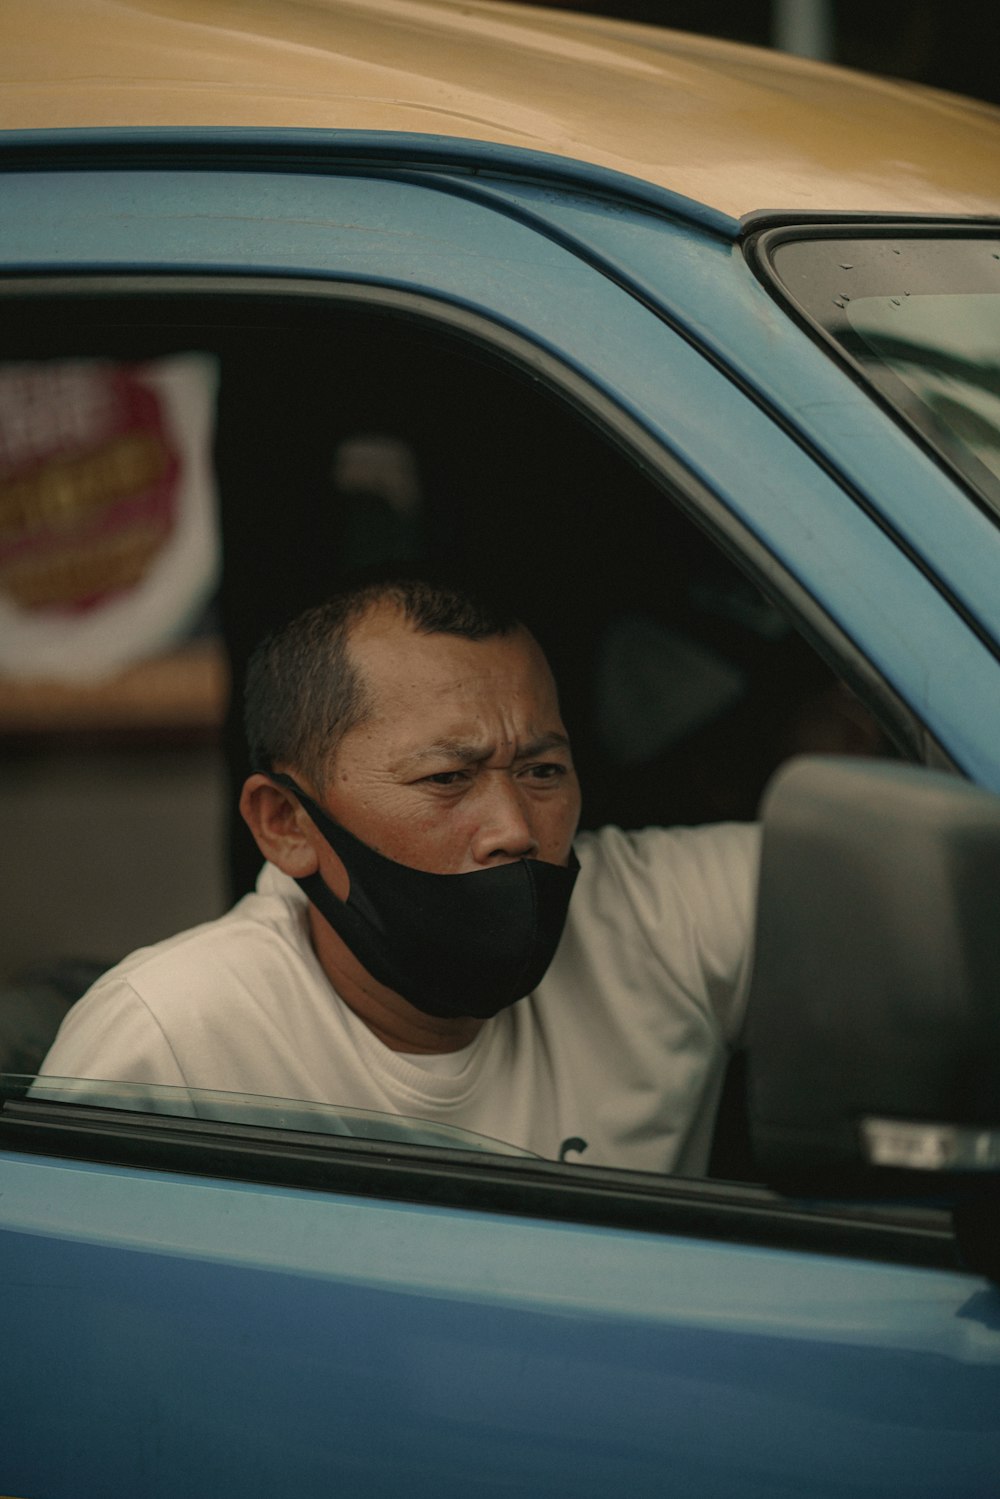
{"type": "Point", "coordinates": [108, 543]}
{"type": "Point", "coordinates": [112, 675]}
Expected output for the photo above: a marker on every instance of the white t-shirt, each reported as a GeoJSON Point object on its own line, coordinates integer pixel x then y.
{"type": "Point", "coordinates": [616, 1059]}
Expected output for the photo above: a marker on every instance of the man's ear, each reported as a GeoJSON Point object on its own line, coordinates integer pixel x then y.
{"type": "Point", "coordinates": [284, 834]}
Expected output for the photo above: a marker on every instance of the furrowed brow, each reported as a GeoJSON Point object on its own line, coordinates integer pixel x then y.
{"type": "Point", "coordinates": [461, 752]}
{"type": "Point", "coordinates": [544, 742]}
{"type": "Point", "coordinates": [454, 750]}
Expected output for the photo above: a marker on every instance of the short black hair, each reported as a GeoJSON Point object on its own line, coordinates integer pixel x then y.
{"type": "Point", "coordinates": [303, 692]}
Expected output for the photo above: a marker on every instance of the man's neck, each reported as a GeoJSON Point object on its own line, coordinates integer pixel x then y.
{"type": "Point", "coordinates": [391, 1019]}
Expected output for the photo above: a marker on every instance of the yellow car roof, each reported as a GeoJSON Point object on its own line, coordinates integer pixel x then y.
{"type": "Point", "coordinates": [737, 128]}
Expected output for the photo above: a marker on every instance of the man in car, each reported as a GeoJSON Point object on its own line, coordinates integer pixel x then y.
{"type": "Point", "coordinates": [428, 936]}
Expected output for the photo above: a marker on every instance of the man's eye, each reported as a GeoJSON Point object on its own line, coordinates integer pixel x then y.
{"type": "Point", "coordinates": [548, 770]}
{"type": "Point", "coordinates": [445, 778]}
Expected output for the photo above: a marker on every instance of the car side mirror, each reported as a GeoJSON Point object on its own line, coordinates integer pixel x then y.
{"type": "Point", "coordinates": [874, 1012]}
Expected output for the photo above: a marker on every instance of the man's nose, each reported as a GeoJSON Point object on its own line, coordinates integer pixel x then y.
{"type": "Point", "coordinates": [504, 829]}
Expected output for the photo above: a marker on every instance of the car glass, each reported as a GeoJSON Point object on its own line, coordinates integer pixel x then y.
{"type": "Point", "coordinates": [250, 1109]}
{"type": "Point", "coordinates": [921, 317]}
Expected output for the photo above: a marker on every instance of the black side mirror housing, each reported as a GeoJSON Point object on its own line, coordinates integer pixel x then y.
{"type": "Point", "coordinates": [874, 1015]}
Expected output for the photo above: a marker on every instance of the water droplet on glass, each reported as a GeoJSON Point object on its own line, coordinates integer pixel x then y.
{"type": "Point", "coordinates": [895, 301]}
{"type": "Point", "coordinates": [845, 296]}
{"type": "Point", "coordinates": [906, 294]}
{"type": "Point", "coordinates": [846, 265]}
{"type": "Point", "coordinates": [837, 302]}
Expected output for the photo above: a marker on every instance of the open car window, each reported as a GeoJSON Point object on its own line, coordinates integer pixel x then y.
{"type": "Point", "coordinates": [684, 679]}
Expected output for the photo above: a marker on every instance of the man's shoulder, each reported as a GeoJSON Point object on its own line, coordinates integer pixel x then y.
{"type": "Point", "coordinates": [180, 1010]}
{"type": "Point", "coordinates": [270, 920]}
{"type": "Point", "coordinates": [655, 852]}
{"type": "Point", "coordinates": [667, 880]}
{"type": "Point", "coordinates": [661, 917]}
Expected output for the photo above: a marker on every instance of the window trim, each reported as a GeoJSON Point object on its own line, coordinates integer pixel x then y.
{"type": "Point", "coordinates": [473, 1181]}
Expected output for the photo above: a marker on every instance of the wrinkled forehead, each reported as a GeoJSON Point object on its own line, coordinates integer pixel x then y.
{"type": "Point", "coordinates": [412, 676]}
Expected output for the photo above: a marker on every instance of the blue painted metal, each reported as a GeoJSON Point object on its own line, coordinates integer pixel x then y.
{"type": "Point", "coordinates": [337, 151]}
{"type": "Point", "coordinates": [248, 1340]}
{"type": "Point", "coordinates": [437, 244]}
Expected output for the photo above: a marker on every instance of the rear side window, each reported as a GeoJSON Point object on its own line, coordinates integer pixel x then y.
{"type": "Point", "coordinates": [920, 317]}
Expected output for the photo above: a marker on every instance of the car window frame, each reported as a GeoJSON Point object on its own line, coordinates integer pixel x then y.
{"type": "Point", "coordinates": [441, 1176]}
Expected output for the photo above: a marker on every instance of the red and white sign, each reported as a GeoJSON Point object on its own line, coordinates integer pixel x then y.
{"type": "Point", "coordinates": [108, 532]}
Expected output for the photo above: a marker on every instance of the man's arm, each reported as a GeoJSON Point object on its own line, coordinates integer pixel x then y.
{"type": "Point", "coordinates": [720, 889]}
{"type": "Point", "coordinates": [692, 892]}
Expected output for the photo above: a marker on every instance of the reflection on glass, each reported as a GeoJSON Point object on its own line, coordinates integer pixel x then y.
{"type": "Point", "coordinates": [251, 1109]}
{"type": "Point", "coordinates": [946, 351]}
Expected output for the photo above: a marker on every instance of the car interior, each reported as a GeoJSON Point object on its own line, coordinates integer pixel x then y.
{"type": "Point", "coordinates": [348, 435]}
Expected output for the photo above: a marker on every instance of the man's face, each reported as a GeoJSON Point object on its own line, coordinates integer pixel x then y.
{"type": "Point", "coordinates": [463, 762]}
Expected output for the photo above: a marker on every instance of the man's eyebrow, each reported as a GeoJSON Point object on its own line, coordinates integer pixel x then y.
{"type": "Point", "coordinates": [470, 754]}
{"type": "Point", "coordinates": [552, 740]}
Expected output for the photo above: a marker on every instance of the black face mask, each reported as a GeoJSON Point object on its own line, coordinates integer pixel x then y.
{"type": "Point", "coordinates": [450, 944]}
